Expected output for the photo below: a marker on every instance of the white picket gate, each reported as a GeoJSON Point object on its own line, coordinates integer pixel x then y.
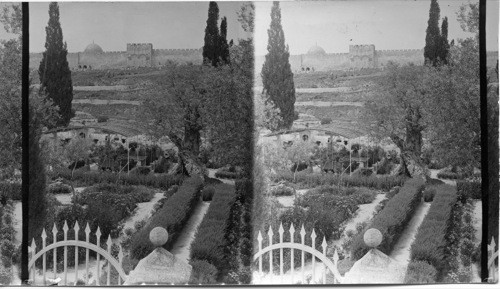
{"type": "Point", "coordinates": [327, 264]}
{"type": "Point", "coordinates": [34, 256]}
{"type": "Point", "coordinates": [492, 268]}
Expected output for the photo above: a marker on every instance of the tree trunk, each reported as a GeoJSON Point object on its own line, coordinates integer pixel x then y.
{"type": "Point", "coordinates": [188, 161]}
{"type": "Point", "coordinates": [411, 162]}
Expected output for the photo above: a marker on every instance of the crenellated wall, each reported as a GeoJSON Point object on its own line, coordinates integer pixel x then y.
{"type": "Point", "coordinates": [136, 55]}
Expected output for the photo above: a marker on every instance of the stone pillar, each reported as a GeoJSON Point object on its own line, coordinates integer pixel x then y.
{"type": "Point", "coordinates": [375, 267]}
{"type": "Point", "coordinates": [160, 267]}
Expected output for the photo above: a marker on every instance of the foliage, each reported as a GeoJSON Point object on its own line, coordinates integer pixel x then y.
{"type": "Point", "coordinates": [419, 272]}
{"type": "Point", "coordinates": [451, 175]}
{"type": "Point", "coordinates": [277, 76]}
{"type": "Point", "coordinates": [392, 220]}
{"type": "Point", "coordinates": [10, 191]}
{"type": "Point", "coordinates": [429, 194]}
{"type": "Point", "coordinates": [430, 241]}
{"type": "Point", "coordinates": [433, 40]}
{"type": "Point", "coordinates": [267, 115]}
{"type": "Point", "coordinates": [207, 193]}
{"type": "Point", "coordinates": [326, 120]}
{"type": "Point", "coordinates": [84, 178]}
{"type": "Point", "coordinates": [203, 272]}
{"type": "Point", "coordinates": [209, 239]}
{"type": "Point", "coordinates": [59, 188]}
{"type": "Point", "coordinates": [310, 180]}
{"type": "Point", "coordinates": [172, 216]}
{"type": "Point", "coordinates": [55, 76]}
{"type": "Point", "coordinates": [468, 190]}
{"type": "Point", "coordinates": [282, 190]}
{"type": "Point", "coordinates": [212, 50]}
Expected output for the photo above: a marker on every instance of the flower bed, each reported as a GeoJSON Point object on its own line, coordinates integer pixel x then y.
{"type": "Point", "coordinates": [172, 216]}
{"type": "Point", "coordinates": [392, 220]}
{"type": "Point", "coordinates": [431, 241]}
{"type": "Point", "coordinates": [86, 178]}
{"type": "Point", "coordinates": [209, 242]}
{"type": "Point", "coordinates": [309, 180]}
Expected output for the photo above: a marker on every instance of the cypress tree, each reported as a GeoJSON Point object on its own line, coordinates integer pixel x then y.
{"type": "Point", "coordinates": [277, 76]}
{"type": "Point", "coordinates": [55, 76]}
{"type": "Point", "coordinates": [445, 46]}
{"type": "Point", "coordinates": [211, 51]}
{"type": "Point", "coordinates": [433, 36]}
{"type": "Point", "coordinates": [224, 47]}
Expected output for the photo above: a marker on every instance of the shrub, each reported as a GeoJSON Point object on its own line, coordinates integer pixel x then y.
{"type": "Point", "coordinates": [11, 191]}
{"type": "Point", "coordinates": [420, 272]}
{"type": "Point", "coordinates": [59, 188]}
{"type": "Point", "coordinates": [172, 190]}
{"type": "Point", "coordinates": [172, 216]}
{"type": "Point", "coordinates": [468, 190]}
{"type": "Point", "coordinates": [208, 193]}
{"type": "Point", "coordinates": [392, 220]}
{"type": "Point", "coordinates": [203, 273]}
{"type": "Point", "coordinates": [429, 194]}
{"type": "Point", "coordinates": [209, 240]}
{"type": "Point", "coordinates": [143, 170]}
{"type": "Point", "coordinates": [430, 241]}
{"type": "Point", "coordinates": [7, 249]}
{"type": "Point", "coordinates": [282, 190]}
{"type": "Point", "coordinates": [326, 120]}
{"type": "Point", "coordinates": [5, 276]}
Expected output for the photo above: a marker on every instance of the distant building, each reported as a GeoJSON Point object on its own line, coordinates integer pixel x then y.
{"type": "Point", "coordinates": [135, 55]}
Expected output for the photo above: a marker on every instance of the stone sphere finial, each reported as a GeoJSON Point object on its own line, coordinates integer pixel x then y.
{"type": "Point", "coordinates": [158, 236]}
{"type": "Point", "coordinates": [372, 238]}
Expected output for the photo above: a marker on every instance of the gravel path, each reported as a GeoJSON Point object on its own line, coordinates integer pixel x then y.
{"type": "Point", "coordinates": [182, 246]}
{"type": "Point", "coordinates": [211, 174]}
{"type": "Point", "coordinates": [401, 251]}
{"type": "Point", "coordinates": [142, 212]}
{"type": "Point", "coordinates": [434, 176]}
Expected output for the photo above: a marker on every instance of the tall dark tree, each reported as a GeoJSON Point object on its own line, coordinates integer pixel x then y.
{"type": "Point", "coordinates": [223, 45]}
{"type": "Point", "coordinates": [445, 45]}
{"type": "Point", "coordinates": [211, 50]}
{"type": "Point", "coordinates": [433, 36]}
{"type": "Point", "coordinates": [55, 76]}
{"type": "Point", "coordinates": [277, 76]}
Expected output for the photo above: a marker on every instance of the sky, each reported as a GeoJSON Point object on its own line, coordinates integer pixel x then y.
{"type": "Point", "coordinates": [112, 25]}
{"type": "Point", "coordinates": [388, 24]}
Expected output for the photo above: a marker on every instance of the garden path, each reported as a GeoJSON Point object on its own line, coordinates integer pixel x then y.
{"type": "Point", "coordinates": [434, 176]}
{"type": "Point", "coordinates": [182, 247]}
{"type": "Point", "coordinates": [211, 174]}
{"type": "Point", "coordinates": [287, 201]}
{"type": "Point", "coordinates": [401, 251]}
{"type": "Point", "coordinates": [143, 211]}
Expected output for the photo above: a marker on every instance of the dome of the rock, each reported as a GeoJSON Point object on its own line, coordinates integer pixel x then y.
{"type": "Point", "coordinates": [316, 50]}
{"type": "Point", "coordinates": [93, 49]}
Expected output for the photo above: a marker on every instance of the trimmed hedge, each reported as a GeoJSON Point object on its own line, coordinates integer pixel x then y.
{"type": "Point", "coordinates": [91, 178]}
{"type": "Point", "coordinates": [468, 190]}
{"type": "Point", "coordinates": [172, 216]}
{"type": "Point", "coordinates": [227, 175]}
{"type": "Point", "coordinates": [238, 236]}
{"type": "Point", "coordinates": [11, 191]}
{"type": "Point", "coordinates": [310, 180]}
{"type": "Point", "coordinates": [209, 241]}
{"type": "Point", "coordinates": [451, 175]}
{"type": "Point", "coordinates": [430, 242]}
{"type": "Point", "coordinates": [392, 220]}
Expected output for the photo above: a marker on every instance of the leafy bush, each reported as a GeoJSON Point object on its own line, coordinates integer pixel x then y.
{"type": "Point", "coordinates": [420, 272]}
{"type": "Point", "coordinates": [203, 273]}
{"type": "Point", "coordinates": [59, 188]}
{"type": "Point", "coordinates": [5, 276]}
{"type": "Point", "coordinates": [430, 241]}
{"type": "Point", "coordinates": [429, 194]}
{"type": "Point", "coordinates": [326, 120]}
{"type": "Point", "coordinates": [172, 216]}
{"type": "Point", "coordinates": [143, 170]}
{"type": "Point", "coordinates": [10, 191]}
{"type": "Point", "coordinates": [282, 190]}
{"type": "Point", "coordinates": [89, 178]}
{"type": "Point", "coordinates": [209, 240]}
{"type": "Point", "coordinates": [392, 220]}
{"type": "Point", "coordinates": [468, 190]}
{"type": "Point", "coordinates": [102, 119]}
{"type": "Point", "coordinates": [310, 180]}
{"type": "Point", "coordinates": [208, 193]}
